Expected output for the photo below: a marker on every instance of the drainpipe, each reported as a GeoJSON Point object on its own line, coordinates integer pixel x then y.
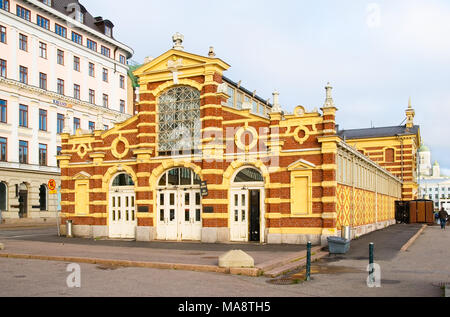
{"type": "Point", "coordinates": [353, 195]}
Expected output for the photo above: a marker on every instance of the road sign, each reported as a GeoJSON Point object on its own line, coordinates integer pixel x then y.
{"type": "Point", "coordinates": [52, 186]}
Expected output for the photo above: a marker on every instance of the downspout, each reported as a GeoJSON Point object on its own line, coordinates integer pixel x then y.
{"type": "Point", "coordinates": [353, 194]}
{"type": "Point", "coordinates": [115, 61]}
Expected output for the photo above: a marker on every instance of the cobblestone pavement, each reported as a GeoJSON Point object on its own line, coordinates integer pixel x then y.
{"type": "Point", "coordinates": [410, 273]}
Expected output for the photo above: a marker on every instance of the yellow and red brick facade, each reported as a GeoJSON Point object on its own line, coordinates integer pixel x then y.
{"type": "Point", "coordinates": [297, 154]}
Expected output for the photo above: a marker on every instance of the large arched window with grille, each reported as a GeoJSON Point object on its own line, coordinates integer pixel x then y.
{"type": "Point", "coordinates": [179, 121]}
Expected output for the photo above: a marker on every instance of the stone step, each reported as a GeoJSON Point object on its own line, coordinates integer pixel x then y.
{"type": "Point", "coordinates": [278, 262]}
{"type": "Point", "coordinates": [293, 265]}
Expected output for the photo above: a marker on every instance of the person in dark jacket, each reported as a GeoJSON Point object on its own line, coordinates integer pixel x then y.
{"type": "Point", "coordinates": [443, 217]}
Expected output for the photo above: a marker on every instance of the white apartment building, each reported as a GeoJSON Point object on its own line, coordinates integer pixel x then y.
{"type": "Point", "coordinates": [61, 69]}
{"type": "Point", "coordinates": [432, 185]}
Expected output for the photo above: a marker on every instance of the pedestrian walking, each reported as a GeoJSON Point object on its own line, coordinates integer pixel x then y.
{"type": "Point", "coordinates": [443, 217]}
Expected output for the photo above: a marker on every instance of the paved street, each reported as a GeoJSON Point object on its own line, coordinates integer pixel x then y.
{"type": "Point", "coordinates": [409, 273]}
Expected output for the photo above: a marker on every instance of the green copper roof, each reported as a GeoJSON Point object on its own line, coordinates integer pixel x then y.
{"type": "Point", "coordinates": [133, 78]}
{"type": "Point", "coordinates": [424, 148]}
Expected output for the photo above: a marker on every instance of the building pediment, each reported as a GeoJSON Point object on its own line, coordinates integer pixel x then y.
{"type": "Point", "coordinates": [82, 175]}
{"type": "Point", "coordinates": [183, 63]}
{"type": "Point", "coordinates": [301, 165]}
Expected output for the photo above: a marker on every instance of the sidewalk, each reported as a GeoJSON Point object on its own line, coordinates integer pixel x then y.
{"type": "Point", "coordinates": [276, 259]}
{"type": "Point", "coordinates": [27, 223]}
{"type": "Point", "coordinates": [43, 244]}
{"type": "Point", "coordinates": [419, 272]}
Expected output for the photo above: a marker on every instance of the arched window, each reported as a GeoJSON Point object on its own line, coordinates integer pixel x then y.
{"type": "Point", "coordinates": [43, 197]}
{"type": "Point", "coordinates": [179, 177]}
{"type": "Point", "coordinates": [3, 196]}
{"type": "Point", "coordinates": [122, 180]}
{"type": "Point", "coordinates": [179, 121]}
{"type": "Point", "coordinates": [249, 175]}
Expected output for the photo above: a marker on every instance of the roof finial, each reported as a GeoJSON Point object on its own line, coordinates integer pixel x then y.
{"type": "Point", "coordinates": [178, 39]}
{"type": "Point", "coordinates": [410, 114]}
{"type": "Point", "coordinates": [211, 52]}
{"type": "Point", "coordinates": [329, 102]}
{"type": "Point", "coordinates": [276, 108]}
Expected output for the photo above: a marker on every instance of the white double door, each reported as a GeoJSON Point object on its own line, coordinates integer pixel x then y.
{"type": "Point", "coordinates": [239, 215]}
{"type": "Point", "coordinates": [179, 215]}
{"type": "Point", "coordinates": [122, 215]}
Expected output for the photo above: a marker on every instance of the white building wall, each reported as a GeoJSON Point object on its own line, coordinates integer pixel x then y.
{"type": "Point", "coordinates": [15, 93]}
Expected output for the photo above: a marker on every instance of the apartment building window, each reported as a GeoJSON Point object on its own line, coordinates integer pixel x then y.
{"type": "Point", "coordinates": [43, 50]}
{"type": "Point", "coordinates": [23, 116]}
{"type": "Point", "coordinates": [91, 126]}
{"type": "Point", "coordinates": [122, 106]}
{"type": "Point", "coordinates": [105, 75]}
{"type": "Point", "coordinates": [76, 63]}
{"type": "Point", "coordinates": [60, 30]}
{"type": "Point", "coordinates": [76, 124]}
{"type": "Point", "coordinates": [122, 82]}
{"type": "Point", "coordinates": [3, 149]}
{"type": "Point", "coordinates": [23, 73]}
{"type": "Point", "coordinates": [108, 31]}
{"type": "Point", "coordinates": [23, 152]}
{"type": "Point", "coordinates": [105, 127]}
{"type": "Point", "coordinates": [105, 51]}
{"type": "Point", "coordinates": [23, 42]}
{"type": "Point", "coordinates": [77, 38]}
{"type": "Point", "coordinates": [76, 91]}
{"type": "Point", "coordinates": [43, 154]}
{"type": "Point", "coordinates": [123, 59]}
{"type": "Point", "coordinates": [2, 34]}
{"type": "Point", "coordinates": [47, 2]}
{"type": "Point", "coordinates": [60, 86]}
{"type": "Point", "coordinates": [2, 68]}
{"type": "Point", "coordinates": [43, 81]}
{"type": "Point", "coordinates": [3, 111]}
{"type": "Point", "coordinates": [43, 22]}
{"type": "Point", "coordinates": [91, 69]}
{"type": "Point", "coordinates": [42, 120]}
{"type": "Point", "coordinates": [105, 101]}
{"type": "Point", "coordinates": [60, 57]}
{"type": "Point", "coordinates": [58, 153]}
{"type": "Point", "coordinates": [59, 123]}
{"type": "Point", "coordinates": [92, 96]}
{"type": "Point", "coordinates": [92, 45]}
{"type": "Point", "coordinates": [23, 13]}
{"type": "Point", "coordinates": [4, 4]}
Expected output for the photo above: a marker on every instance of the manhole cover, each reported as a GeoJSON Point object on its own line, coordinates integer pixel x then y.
{"type": "Point", "coordinates": [390, 282]}
{"type": "Point", "coordinates": [441, 284]}
{"type": "Point", "coordinates": [20, 276]}
{"type": "Point", "coordinates": [285, 281]}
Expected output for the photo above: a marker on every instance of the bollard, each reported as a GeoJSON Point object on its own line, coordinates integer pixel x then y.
{"type": "Point", "coordinates": [371, 266]}
{"type": "Point", "coordinates": [69, 228]}
{"type": "Point", "coordinates": [308, 262]}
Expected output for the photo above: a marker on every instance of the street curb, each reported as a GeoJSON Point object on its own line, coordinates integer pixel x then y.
{"type": "Point", "coordinates": [254, 272]}
{"type": "Point", "coordinates": [413, 239]}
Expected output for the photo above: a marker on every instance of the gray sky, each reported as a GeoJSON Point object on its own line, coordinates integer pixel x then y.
{"type": "Point", "coordinates": [376, 54]}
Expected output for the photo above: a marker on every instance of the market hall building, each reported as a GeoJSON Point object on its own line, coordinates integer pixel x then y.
{"type": "Point", "coordinates": [205, 159]}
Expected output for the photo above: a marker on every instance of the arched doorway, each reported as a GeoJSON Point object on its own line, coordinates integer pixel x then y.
{"type": "Point", "coordinates": [3, 199]}
{"type": "Point", "coordinates": [23, 200]}
{"type": "Point", "coordinates": [247, 206]}
{"type": "Point", "coordinates": [43, 197]}
{"type": "Point", "coordinates": [122, 208]}
{"type": "Point", "coordinates": [179, 209]}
